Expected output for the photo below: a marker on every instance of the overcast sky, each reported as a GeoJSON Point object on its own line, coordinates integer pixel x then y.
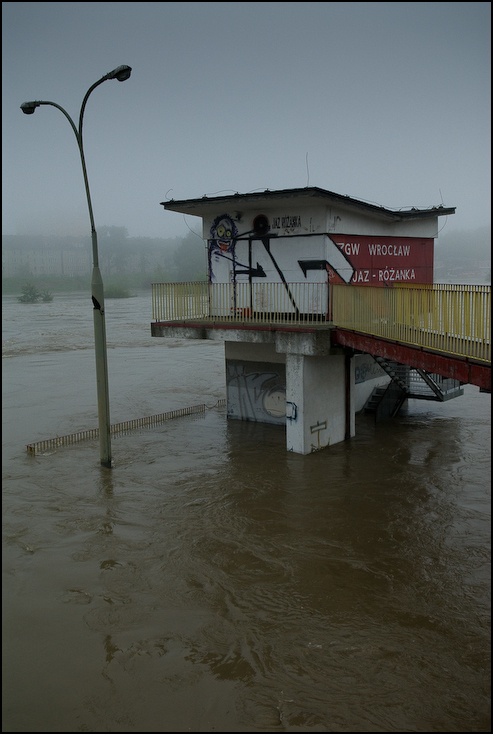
{"type": "Point", "coordinates": [385, 102]}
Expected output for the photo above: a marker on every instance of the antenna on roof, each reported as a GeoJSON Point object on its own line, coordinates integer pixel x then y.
{"type": "Point", "coordinates": [307, 172]}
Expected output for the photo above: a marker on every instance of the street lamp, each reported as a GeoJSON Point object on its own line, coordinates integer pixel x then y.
{"type": "Point", "coordinates": [121, 73]}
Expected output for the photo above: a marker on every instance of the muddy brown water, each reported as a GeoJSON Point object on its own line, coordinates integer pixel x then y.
{"type": "Point", "coordinates": [211, 581]}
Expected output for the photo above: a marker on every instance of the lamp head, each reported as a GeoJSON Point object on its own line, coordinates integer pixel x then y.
{"type": "Point", "coordinates": [121, 73]}
{"type": "Point", "coordinates": [29, 107]}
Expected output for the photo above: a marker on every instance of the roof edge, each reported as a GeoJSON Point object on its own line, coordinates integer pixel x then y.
{"type": "Point", "coordinates": [310, 192]}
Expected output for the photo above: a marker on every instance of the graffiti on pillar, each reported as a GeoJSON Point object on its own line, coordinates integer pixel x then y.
{"type": "Point", "coordinates": [366, 368]}
{"type": "Point", "coordinates": [256, 391]}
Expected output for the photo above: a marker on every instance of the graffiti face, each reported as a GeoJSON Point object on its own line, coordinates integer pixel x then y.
{"type": "Point", "coordinates": [256, 391]}
{"type": "Point", "coordinates": [223, 233]}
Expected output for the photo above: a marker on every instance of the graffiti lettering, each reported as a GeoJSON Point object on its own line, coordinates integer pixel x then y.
{"type": "Point", "coordinates": [349, 258]}
{"type": "Point", "coordinates": [367, 371]}
{"type": "Point", "coordinates": [256, 391]}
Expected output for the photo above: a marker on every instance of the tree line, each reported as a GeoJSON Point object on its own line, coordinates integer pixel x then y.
{"type": "Point", "coordinates": [128, 262]}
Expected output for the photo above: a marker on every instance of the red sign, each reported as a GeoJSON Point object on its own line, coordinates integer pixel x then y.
{"type": "Point", "coordinates": [383, 261]}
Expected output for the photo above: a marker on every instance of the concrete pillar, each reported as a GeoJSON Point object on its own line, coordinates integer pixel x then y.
{"type": "Point", "coordinates": [295, 379]}
{"type": "Point", "coordinates": [319, 401]}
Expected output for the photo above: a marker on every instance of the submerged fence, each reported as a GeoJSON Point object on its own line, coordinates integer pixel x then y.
{"type": "Point", "coordinates": [455, 319]}
{"type": "Point", "coordinates": [119, 428]}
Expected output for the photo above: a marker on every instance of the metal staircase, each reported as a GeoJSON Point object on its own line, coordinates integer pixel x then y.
{"type": "Point", "coordinates": [408, 382]}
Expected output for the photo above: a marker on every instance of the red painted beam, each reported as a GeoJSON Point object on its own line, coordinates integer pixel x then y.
{"type": "Point", "coordinates": [472, 373]}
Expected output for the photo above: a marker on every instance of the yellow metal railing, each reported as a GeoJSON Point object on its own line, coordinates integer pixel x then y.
{"type": "Point", "coordinates": [255, 303]}
{"type": "Point", "coordinates": [179, 301]}
{"type": "Point", "coordinates": [448, 318]}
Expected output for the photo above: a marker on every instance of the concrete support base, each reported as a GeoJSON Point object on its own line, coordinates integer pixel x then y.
{"type": "Point", "coordinates": [298, 381]}
{"type": "Point", "coordinates": [319, 402]}
{"type": "Point", "coordinates": [292, 378]}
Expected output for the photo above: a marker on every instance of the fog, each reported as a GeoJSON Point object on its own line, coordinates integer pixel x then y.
{"type": "Point", "coordinates": [385, 102]}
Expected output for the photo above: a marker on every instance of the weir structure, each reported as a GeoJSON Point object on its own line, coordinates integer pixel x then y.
{"type": "Point", "coordinates": [327, 307]}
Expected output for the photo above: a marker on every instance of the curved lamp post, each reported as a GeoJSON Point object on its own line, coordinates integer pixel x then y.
{"type": "Point", "coordinates": [121, 73]}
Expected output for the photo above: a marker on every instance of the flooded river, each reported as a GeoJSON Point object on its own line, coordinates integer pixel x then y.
{"type": "Point", "coordinates": [211, 581]}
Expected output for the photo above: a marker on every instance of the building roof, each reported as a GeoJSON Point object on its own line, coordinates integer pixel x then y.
{"type": "Point", "coordinates": [307, 196]}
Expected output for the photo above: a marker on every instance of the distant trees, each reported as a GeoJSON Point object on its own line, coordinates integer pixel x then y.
{"type": "Point", "coordinates": [113, 248]}
{"type": "Point", "coordinates": [190, 259]}
{"type": "Point", "coordinates": [181, 259]}
{"type": "Point", "coordinates": [65, 263]}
